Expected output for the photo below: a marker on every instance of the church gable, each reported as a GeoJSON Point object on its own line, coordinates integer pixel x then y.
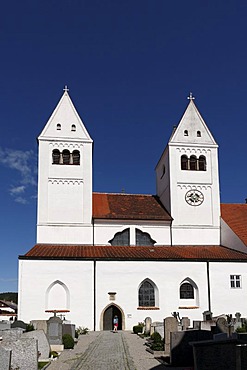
{"type": "Point", "coordinates": [192, 129]}
{"type": "Point", "coordinates": [65, 122]}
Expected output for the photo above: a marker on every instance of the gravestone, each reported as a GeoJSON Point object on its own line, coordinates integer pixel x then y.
{"type": "Point", "coordinates": [207, 315]}
{"type": "Point", "coordinates": [4, 325]}
{"type": "Point", "coordinates": [54, 330]}
{"type": "Point", "coordinates": [220, 355]}
{"type": "Point", "coordinates": [221, 325]}
{"type": "Point", "coordinates": [24, 353]}
{"type": "Point", "coordinates": [148, 322]}
{"type": "Point", "coordinates": [237, 321]}
{"type": "Point", "coordinates": [68, 329]}
{"type": "Point", "coordinates": [43, 344]}
{"type": "Point", "coordinates": [181, 349]}
{"type": "Point", "coordinates": [197, 325]}
{"type": "Point", "coordinates": [170, 326]}
{"type": "Point", "coordinates": [39, 325]}
{"type": "Point", "coordinates": [11, 334]}
{"type": "Point", "coordinates": [185, 323]}
{"type": "Point", "coordinates": [19, 324]}
{"type": "Point", "coordinates": [5, 358]}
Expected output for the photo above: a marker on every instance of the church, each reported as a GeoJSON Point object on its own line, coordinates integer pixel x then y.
{"type": "Point", "coordinates": [135, 256]}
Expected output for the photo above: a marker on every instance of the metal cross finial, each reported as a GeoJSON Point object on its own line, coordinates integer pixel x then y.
{"type": "Point", "coordinates": [191, 97]}
{"type": "Point", "coordinates": [65, 88]}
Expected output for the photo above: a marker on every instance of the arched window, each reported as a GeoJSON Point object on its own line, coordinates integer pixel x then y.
{"type": "Point", "coordinates": [66, 156]}
{"type": "Point", "coordinates": [76, 157]}
{"type": "Point", "coordinates": [58, 126]}
{"type": "Point", "coordinates": [73, 127]}
{"type": "Point", "coordinates": [184, 162]}
{"type": "Point", "coordinates": [146, 294]}
{"type": "Point", "coordinates": [186, 133]}
{"type": "Point", "coordinates": [202, 163]}
{"type": "Point", "coordinates": [198, 134]}
{"type": "Point", "coordinates": [186, 291]}
{"type": "Point", "coordinates": [121, 238]}
{"type": "Point", "coordinates": [193, 163]}
{"type": "Point", "coordinates": [55, 156]}
{"type": "Point", "coordinates": [144, 238]}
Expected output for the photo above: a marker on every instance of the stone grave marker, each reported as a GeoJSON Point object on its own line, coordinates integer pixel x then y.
{"type": "Point", "coordinates": [221, 324]}
{"type": "Point", "coordinates": [24, 353]}
{"type": "Point", "coordinates": [68, 329]}
{"type": "Point", "coordinates": [170, 326]}
{"type": "Point", "coordinates": [5, 358]}
{"type": "Point", "coordinates": [148, 322]}
{"type": "Point", "coordinates": [19, 324]}
{"type": "Point", "coordinates": [54, 330]}
{"type": "Point", "coordinates": [5, 325]}
{"type": "Point", "coordinates": [197, 325]}
{"type": "Point", "coordinates": [43, 344]}
{"type": "Point", "coordinates": [39, 325]}
{"type": "Point", "coordinates": [185, 323]}
{"type": "Point", "coordinates": [181, 353]}
{"type": "Point", "coordinates": [11, 334]}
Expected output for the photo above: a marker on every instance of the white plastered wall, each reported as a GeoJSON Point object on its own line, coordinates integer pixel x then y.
{"type": "Point", "coordinates": [124, 278]}
{"type": "Point", "coordinates": [230, 239]}
{"type": "Point", "coordinates": [227, 300]}
{"type": "Point", "coordinates": [73, 289]}
{"type": "Point", "coordinates": [104, 231]}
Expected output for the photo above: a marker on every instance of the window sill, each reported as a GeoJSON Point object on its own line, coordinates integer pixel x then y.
{"type": "Point", "coordinates": [147, 308]}
{"type": "Point", "coordinates": [188, 307]}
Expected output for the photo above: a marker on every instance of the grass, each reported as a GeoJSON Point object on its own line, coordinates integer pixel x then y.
{"type": "Point", "coordinates": [42, 364]}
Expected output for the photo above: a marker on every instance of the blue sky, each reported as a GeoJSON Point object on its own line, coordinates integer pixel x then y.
{"type": "Point", "coordinates": [129, 66]}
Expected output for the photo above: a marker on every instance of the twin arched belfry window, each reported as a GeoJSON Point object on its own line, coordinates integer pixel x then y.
{"type": "Point", "coordinates": [66, 157]}
{"type": "Point", "coordinates": [193, 163]}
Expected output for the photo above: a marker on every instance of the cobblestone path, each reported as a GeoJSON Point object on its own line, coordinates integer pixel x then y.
{"type": "Point", "coordinates": [109, 351]}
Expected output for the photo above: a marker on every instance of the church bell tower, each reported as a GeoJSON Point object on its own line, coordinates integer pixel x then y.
{"type": "Point", "coordinates": [65, 178]}
{"type": "Point", "coordinates": [187, 179]}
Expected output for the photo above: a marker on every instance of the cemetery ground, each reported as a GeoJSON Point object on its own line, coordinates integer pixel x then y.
{"type": "Point", "coordinates": [109, 351]}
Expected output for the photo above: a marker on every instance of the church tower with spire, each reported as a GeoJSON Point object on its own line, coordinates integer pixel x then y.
{"type": "Point", "coordinates": [187, 181]}
{"type": "Point", "coordinates": [65, 178]}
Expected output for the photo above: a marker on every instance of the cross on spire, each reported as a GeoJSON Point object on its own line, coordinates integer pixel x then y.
{"type": "Point", "coordinates": [191, 97]}
{"type": "Point", "coordinates": [66, 89]}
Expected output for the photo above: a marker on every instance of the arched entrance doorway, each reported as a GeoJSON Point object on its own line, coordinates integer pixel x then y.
{"type": "Point", "coordinates": [109, 313]}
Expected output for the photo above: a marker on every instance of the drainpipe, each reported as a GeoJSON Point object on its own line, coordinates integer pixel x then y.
{"type": "Point", "coordinates": [94, 286]}
{"type": "Point", "coordinates": [209, 294]}
{"type": "Point", "coordinates": [171, 232]}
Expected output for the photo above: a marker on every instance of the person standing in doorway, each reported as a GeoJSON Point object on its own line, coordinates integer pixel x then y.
{"type": "Point", "coordinates": [115, 324]}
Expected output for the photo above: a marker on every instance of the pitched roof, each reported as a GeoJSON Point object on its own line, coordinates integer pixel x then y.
{"type": "Point", "coordinates": [108, 252]}
{"type": "Point", "coordinates": [235, 215]}
{"type": "Point", "coordinates": [128, 206]}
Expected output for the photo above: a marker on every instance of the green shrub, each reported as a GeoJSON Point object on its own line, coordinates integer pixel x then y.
{"type": "Point", "coordinates": [81, 331]}
{"type": "Point", "coordinates": [156, 337]}
{"type": "Point", "coordinates": [241, 329]}
{"type": "Point", "coordinates": [68, 341]}
{"type": "Point", "coordinates": [158, 346]}
{"type": "Point", "coordinates": [54, 354]}
{"type": "Point", "coordinates": [29, 327]}
{"type": "Point", "coordinates": [137, 328]}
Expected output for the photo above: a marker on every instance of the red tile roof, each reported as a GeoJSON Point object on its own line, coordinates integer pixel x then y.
{"type": "Point", "coordinates": [128, 206]}
{"type": "Point", "coordinates": [108, 252]}
{"type": "Point", "coordinates": [235, 215]}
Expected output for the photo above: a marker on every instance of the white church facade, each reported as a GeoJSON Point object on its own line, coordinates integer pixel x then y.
{"type": "Point", "coordinates": [101, 254]}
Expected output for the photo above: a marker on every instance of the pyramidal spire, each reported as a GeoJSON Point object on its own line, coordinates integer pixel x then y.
{"type": "Point", "coordinates": [192, 128]}
{"type": "Point", "coordinates": [65, 121]}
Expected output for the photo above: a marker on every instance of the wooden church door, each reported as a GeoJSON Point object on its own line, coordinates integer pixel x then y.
{"type": "Point", "coordinates": [109, 313]}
